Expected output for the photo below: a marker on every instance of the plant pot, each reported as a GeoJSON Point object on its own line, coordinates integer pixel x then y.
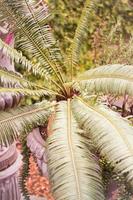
{"type": "Point", "coordinates": [37, 146]}
{"type": "Point", "coordinates": [10, 162]}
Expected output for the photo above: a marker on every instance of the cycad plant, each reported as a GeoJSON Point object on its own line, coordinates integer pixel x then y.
{"type": "Point", "coordinates": [81, 130]}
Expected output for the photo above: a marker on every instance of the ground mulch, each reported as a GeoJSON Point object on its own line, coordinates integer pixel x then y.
{"type": "Point", "coordinates": [36, 184]}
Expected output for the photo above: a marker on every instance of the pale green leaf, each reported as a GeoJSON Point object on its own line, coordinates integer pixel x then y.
{"type": "Point", "coordinates": [112, 135]}
{"type": "Point", "coordinates": [13, 79]}
{"type": "Point", "coordinates": [115, 79]}
{"type": "Point", "coordinates": [18, 58]}
{"type": "Point", "coordinates": [74, 172]}
{"type": "Point", "coordinates": [25, 91]}
{"type": "Point", "coordinates": [35, 37]}
{"type": "Point", "coordinates": [82, 29]}
{"type": "Point", "coordinates": [22, 119]}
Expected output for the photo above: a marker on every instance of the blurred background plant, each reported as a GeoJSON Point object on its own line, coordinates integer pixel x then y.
{"type": "Point", "coordinates": [109, 33]}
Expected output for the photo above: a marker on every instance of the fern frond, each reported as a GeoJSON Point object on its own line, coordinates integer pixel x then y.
{"type": "Point", "coordinates": [11, 79]}
{"type": "Point", "coordinates": [25, 92]}
{"type": "Point", "coordinates": [115, 79]}
{"type": "Point", "coordinates": [39, 12]}
{"type": "Point", "coordinates": [24, 171]}
{"type": "Point", "coordinates": [33, 39]}
{"type": "Point", "coordinates": [15, 121]}
{"type": "Point", "coordinates": [81, 32]}
{"type": "Point", "coordinates": [112, 135]}
{"type": "Point", "coordinates": [67, 149]}
{"type": "Point", "coordinates": [18, 58]}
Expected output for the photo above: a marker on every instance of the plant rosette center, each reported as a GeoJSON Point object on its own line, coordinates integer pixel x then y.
{"type": "Point", "coordinates": [68, 93]}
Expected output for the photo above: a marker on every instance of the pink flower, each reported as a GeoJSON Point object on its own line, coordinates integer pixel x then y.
{"type": "Point", "coordinates": [9, 38]}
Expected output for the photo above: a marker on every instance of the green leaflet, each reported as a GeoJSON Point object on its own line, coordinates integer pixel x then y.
{"type": "Point", "coordinates": [15, 121]}
{"type": "Point", "coordinates": [35, 35]}
{"type": "Point", "coordinates": [18, 58]}
{"type": "Point", "coordinates": [73, 170]}
{"type": "Point", "coordinates": [112, 135]}
{"type": "Point", "coordinates": [25, 91]}
{"type": "Point", "coordinates": [114, 79]}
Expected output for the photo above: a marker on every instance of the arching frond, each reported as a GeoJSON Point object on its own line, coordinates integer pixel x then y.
{"type": "Point", "coordinates": [115, 79]}
{"type": "Point", "coordinates": [26, 92]}
{"type": "Point", "coordinates": [35, 38]}
{"type": "Point", "coordinates": [15, 121]}
{"type": "Point", "coordinates": [18, 58]}
{"type": "Point", "coordinates": [9, 78]}
{"type": "Point", "coordinates": [81, 32]}
{"type": "Point", "coordinates": [112, 135]}
{"type": "Point", "coordinates": [25, 169]}
{"type": "Point", "coordinates": [73, 170]}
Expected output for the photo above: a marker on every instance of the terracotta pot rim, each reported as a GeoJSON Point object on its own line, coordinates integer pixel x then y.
{"type": "Point", "coordinates": [8, 157]}
{"type": "Point", "coordinates": [12, 169]}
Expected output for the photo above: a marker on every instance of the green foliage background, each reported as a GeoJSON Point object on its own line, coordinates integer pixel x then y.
{"type": "Point", "coordinates": [114, 16]}
{"type": "Point", "coordinates": [109, 32]}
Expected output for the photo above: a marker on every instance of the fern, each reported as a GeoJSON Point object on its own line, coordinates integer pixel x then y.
{"type": "Point", "coordinates": [114, 79]}
{"type": "Point", "coordinates": [10, 79]}
{"type": "Point", "coordinates": [31, 35]}
{"type": "Point", "coordinates": [108, 136]}
{"type": "Point", "coordinates": [73, 123]}
{"type": "Point", "coordinates": [65, 140]}
{"type": "Point", "coordinates": [20, 119]}
{"type": "Point", "coordinates": [24, 172]}
{"type": "Point", "coordinates": [80, 33]}
{"type": "Point", "coordinates": [25, 91]}
{"type": "Point", "coordinates": [20, 59]}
